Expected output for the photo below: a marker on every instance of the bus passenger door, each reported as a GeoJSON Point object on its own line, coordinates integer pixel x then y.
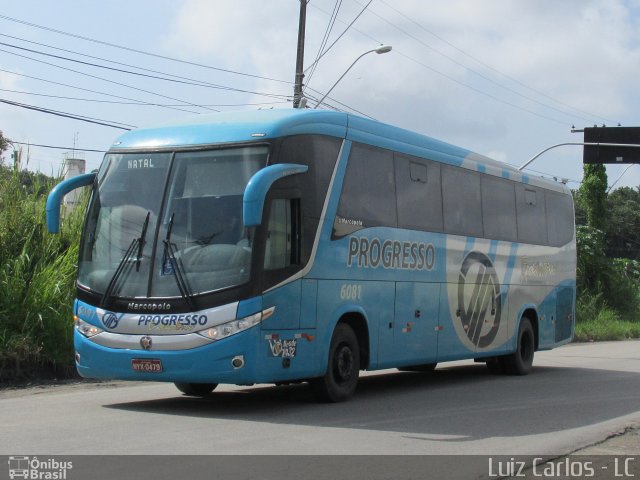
{"type": "Point", "coordinates": [415, 326]}
{"type": "Point", "coordinates": [281, 261]}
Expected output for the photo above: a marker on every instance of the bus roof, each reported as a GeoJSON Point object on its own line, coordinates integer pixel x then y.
{"type": "Point", "coordinates": [238, 127]}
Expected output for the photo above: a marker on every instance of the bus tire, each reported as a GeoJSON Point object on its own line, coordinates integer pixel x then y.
{"type": "Point", "coordinates": [424, 368]}
{"type": "Point", "coordinates": [196, 389]}
{"type": "Point", "coordinates": [521, 361]}
{"type": "Point", "coordinates": [341, 378]}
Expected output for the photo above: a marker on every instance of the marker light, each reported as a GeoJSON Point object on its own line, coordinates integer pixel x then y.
{"type": "Point", "coordinates": [235, 326]}
{"type": "Point", "coordinates": [85, 328]}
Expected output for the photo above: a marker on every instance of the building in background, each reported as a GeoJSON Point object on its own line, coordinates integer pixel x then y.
{"type": "Point", "coordinates": [72, 167]}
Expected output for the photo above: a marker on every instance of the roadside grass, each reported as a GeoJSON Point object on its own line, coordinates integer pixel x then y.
{"type": "Point", "coordinates": [37, 275]}
{"type": "Point", "coordinates": [606, 325]}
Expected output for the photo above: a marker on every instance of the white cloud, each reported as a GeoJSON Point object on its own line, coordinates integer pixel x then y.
{"type": "Point", "coordinates": [583, 53]}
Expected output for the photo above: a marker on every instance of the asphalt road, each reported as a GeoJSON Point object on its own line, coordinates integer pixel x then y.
{"type": "Point", "coordinates": [576, 396]}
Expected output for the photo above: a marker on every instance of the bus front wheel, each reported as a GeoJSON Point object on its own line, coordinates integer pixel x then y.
{"type": "Point", "coordinates": [341, 378]}
{"type": "Point", "coordinates": [196, 389]}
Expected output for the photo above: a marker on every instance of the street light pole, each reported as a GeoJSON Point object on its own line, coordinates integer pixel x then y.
{"type": "Point", "coordinates": [380, 50]}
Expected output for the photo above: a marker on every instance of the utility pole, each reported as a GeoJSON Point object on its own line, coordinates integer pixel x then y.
{"type": "Point", "coordinates": [297, 89]}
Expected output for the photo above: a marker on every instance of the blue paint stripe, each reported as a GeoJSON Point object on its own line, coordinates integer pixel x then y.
{"type": "Point", "coordinates": [505, 174]}
{"type": "Point", "coordinates": [511, 263]}
{"type": "Point", "coordinates": [493, 248]}
{"type": "Point", "coordinates": [469, 246]}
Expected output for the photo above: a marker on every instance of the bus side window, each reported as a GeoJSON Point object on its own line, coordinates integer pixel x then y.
{"type": "Point", "coordinates": [368, 197]}
{"type": "Point", "coordinates": [461, 201]}
{"type": "Point", "coordinates": [282, 246]}
{"type": "Point", "coordinates": [532, 222]}
{"type": "Point", "coordinates": [559, 218]}
{"type": "Point", "coordinates": [418, 194]}
{"type": "Point", "coordinates": [499, 209]}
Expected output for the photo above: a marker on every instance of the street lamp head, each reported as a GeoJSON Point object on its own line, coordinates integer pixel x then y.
{"type": "Point", "coordinates": [380, 49]}
{"type": "Point", "coordinates": [383, 49]}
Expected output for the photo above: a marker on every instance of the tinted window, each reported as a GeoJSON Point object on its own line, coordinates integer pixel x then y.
{"type": "Point", "coordinates": [461, 201]}
{"type": "Point", "coordinates": [320, 154]}
{"type": "Point", "coordinates": [559, 218]}
{"type": "Point", "coordinates": [532, 223]}
{"type": "Point", "coordinates": [419, 195]}
{"type": "Point", "coordinates": [368, 193]}
{"type": "Point", "coordinates": [280, 237]}
{"type": "Point", "coordinates": [499, 209]}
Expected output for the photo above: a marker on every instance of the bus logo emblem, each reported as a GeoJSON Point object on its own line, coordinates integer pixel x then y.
{"type": "Point", "coordinates": [146, 342]}
{"type": "Point", "coordinates": [479, 299]}
{"type": "Point", "coordinates": [110, 320]}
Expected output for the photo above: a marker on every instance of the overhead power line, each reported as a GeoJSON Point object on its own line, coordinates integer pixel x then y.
{"type": "Point", "coordinates": [493, 69]}
{"type": "Point", "coordinates": [165, 76]}
{"type": "Point", "coordinates": [479, 74]}
{"type": "Point", "coordinates": [56, 147]}
{"type": "Point", "coordinates": [325, 38]}
{"type": "Point", "coordinates": [142, 52]}
{"type": "Point", "coordinates": [185, 102]}
{"type": "Point", "coordinates": [455, 80]}
{"type": "Point", "coordinates": [95, 100]}
{"type": "Point", "coordinates": [339, 36]}
{"type": "Point", "coordinates": [106, 123]}
{"type": "Point", "coordinates": [140, 102]}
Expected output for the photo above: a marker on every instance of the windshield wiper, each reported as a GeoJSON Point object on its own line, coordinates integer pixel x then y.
{"type": "Point", "coordinates": [169, 252]}
{"type": "Point", "coordinates": [135, 243]}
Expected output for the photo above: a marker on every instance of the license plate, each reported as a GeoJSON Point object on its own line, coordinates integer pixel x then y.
{"type": "Point", "coordinates": [146, 365]}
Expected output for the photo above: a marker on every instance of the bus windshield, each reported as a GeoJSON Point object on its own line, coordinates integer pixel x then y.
{"type": "Point", "coordinates": [170, 222]}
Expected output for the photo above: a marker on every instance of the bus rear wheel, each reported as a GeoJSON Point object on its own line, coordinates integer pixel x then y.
{"type": "Point", "coordinates": [341, 378]}
{"type": "Point", "coordinates": [521, 361]}
{"type": "Point", "coordinates": [196, 389]}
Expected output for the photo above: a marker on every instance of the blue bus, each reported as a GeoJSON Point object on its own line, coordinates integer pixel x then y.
{"type": "Point", "coordinates": [290, 245]}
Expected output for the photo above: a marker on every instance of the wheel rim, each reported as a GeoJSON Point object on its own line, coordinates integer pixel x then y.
{"type": "Point", "coordinates": [343, 364]}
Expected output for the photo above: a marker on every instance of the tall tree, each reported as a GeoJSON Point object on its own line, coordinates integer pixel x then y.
{"type": "Point", "coordinates": [623, 223]}
{"type": "Point", "coordinates": [593, 195]}
{"type": "Point", "coordinates": [4, 144]}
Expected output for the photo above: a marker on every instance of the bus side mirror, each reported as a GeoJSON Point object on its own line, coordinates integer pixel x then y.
{"type": "Point", "coordinates": [258, 186]}
{"type": "Point", "coordinates": [59, 191]}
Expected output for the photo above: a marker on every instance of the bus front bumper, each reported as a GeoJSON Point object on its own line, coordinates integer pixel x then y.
{"type": "Point", "coordinates": [229, 360]}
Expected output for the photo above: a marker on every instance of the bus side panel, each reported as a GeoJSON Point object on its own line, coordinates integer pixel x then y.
{"type": "Point", "coordinates": [564, 314]}
{"type": "Point", "coordinates": [286, 299]}
{"type": "Point", "coordinates": [450, 345]}
{"type": "Point", "coordinates": [544, 279]}
{"type": "Point", "coordinates": [474, 312]}
{"type": "Point", "coordinates": [308, 304]}
{"type": "Point", "coordinates": [415, 332]}
{"type": "Point", "coordinates": [524, 297]}
{"type": "Point", "coordinates": [368, 299]}
{"type": "Point", "coordinates": [546, 321]}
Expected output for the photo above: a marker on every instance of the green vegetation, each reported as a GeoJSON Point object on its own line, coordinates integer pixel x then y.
{"type": "Point", "coordinates": [608, 237]}
{"type": "Point", "coordinates": [37, 273]}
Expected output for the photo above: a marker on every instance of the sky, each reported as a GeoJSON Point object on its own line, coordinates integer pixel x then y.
{"type": "Point", "coordinates": [503, 78]}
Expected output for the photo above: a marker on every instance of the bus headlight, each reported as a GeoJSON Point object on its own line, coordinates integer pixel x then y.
{"type": "Point", "coordinates": [85, 328]}
{"type": "Point", "coordinates": [235, 326]}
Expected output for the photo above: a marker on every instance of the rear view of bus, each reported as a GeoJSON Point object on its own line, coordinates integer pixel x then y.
{"type": "Point", "coordinates": [240, 248]}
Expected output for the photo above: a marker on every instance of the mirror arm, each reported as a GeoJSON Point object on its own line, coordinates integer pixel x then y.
{"type": "Point", "coordinates": [258, 187]}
